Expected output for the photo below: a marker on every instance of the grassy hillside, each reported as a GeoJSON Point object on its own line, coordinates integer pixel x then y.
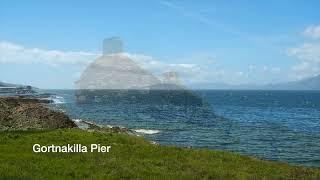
{"type": "Point", "coordinates": [130, 157]}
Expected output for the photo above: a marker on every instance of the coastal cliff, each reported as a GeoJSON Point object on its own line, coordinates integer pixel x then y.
{"type": "Point", "coordinates": [18, 113]}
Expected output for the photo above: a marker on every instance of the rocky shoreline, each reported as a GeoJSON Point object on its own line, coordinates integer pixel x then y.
{"type": "Point", "coordinates": [25, 113]}
{"type": "Point", "coordinates": [90, 126]}
{"type": "Point", "coordinates": [18, 113]}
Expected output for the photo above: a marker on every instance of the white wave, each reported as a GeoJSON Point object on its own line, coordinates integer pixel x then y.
{"type": "Point", "coordinates": [77, 120]}
{"type": "Point", "coordinates": [109, 126]}
{"type": "Point", "coordinates": [84, 124]}
{"type": "Point", "coordinates": [153, 142]}
{"type": "Point", "coordinates": [58, 100]}
{"type": "Point", "coordinates": [147, 131]}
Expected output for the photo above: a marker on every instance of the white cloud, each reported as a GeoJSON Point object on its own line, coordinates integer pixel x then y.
{"type": "Point", "coordinates": [309, 56]}
{"type": "Point", "coordinates": [275, 70]}
{"type": "Point", "coordinates": [14, 53]}
{"type": "Point", "coordinates": [312, 32]}
{"type": "Point", "coordinates": [306, 52]}
{"type": "Point", "coordinates": [201, 73]}
{"type": "Point", "coordinates": [202, 68]}
{"type": "Point", "coordinates": [158, 67]}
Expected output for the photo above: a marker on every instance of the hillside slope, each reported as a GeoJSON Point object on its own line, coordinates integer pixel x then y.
{"type": "Point", "coordinates": [130, 157]}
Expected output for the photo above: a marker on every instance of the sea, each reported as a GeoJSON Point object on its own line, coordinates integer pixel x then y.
{"type": "Point", "coordinates": [272, 125]}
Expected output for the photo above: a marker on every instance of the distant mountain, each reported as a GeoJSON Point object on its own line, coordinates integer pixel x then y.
{"type": "Point", "coordinates": [222, 86]}
{"type": "Point", "coordinates": [2, 84]}
{"type": "Point", "coordinates": [311, 83]}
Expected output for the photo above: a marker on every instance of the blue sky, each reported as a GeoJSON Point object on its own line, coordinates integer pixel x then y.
{"type": "Point", "coordinates": [236, 42]}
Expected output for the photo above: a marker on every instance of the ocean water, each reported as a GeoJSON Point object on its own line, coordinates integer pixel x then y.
{"type": "Point", "coordinates": [273, 125]}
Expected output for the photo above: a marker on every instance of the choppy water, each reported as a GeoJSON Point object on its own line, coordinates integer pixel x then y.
{"type": "Point", "coordinates": [273, 125]}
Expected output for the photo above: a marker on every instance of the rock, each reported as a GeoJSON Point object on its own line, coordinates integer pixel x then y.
{"type": "Point", "coordinates": [18, 113]}
{"type": "Point", "coordinates": [117, 129]}
{"type": "Point", "coordinates": [87, 125]}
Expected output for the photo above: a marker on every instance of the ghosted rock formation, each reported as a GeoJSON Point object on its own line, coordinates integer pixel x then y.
{"type": "Point", "coordinates": [170, 81]}
{"type": "Point", "coordinates": [112, 45]}
{"type": "Point", "coordinates": [171, 78]}
{"type": "Point", "coordinates": [115, 71]}
{"type": "Point", "coordinates": [115, 89]}
{"type": "Point", "coordinates": [115, 78]}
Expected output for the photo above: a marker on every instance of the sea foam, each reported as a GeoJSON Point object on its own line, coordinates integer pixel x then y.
{"type": "Point", "coordinates": [147, 131]}
{"type": "Point", "coordinates": [58, 100]}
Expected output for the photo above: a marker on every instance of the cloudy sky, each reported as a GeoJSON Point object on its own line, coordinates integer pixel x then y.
{"type": "Point", "coordinates": [48, 43]}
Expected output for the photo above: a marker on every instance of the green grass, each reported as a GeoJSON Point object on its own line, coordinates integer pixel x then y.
{"type": "Point", "coordinates": [130, 157]}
